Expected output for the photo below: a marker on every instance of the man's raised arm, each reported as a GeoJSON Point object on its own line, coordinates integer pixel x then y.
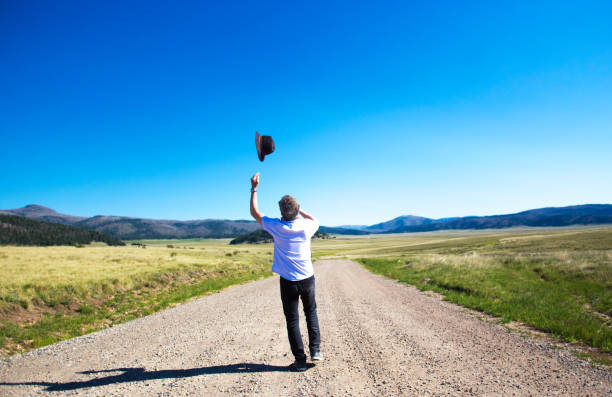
{"type": "Point", "coordinates": [254, 210]}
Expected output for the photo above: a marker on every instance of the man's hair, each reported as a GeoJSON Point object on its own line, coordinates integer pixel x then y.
{"type": "Point", "coordinates": [289, 207]}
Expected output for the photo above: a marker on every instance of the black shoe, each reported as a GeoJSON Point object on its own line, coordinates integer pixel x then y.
{"type": "Point", "coordinates": [299, 366]}
{"type": "Point", "coordinates": [316, 356]}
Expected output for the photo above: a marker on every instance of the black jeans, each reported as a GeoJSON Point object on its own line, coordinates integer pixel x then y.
{"type": "Point", "coordinates": [291, 291]}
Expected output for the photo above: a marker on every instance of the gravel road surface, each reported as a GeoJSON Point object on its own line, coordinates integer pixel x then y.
{"type": "Point", "coordinates": [379, 337]}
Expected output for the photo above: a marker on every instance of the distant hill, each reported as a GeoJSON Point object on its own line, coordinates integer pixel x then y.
{"type": "Point", "coordinates": [34, 211]}
{"type": "Point", "coordinates": [353, 227]}
{"type": "Point", "coordinates": [587, 214]}
{"type": "Point", "coordinates": [341, 230]}
{"type": "Point", "coordinates": [399, 222]}
{"type": "Point", "coordinates": [257, 237]}
{"type": "Point", "coordinates": [18, 230]}
{"type": "Point", "coordinates": [261, 236]}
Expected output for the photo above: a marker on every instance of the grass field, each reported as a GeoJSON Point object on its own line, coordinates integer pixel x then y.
{"type": "Point", "coordinates": [52, 293]}
{"type": "Point", "coordinates": [556, 280]}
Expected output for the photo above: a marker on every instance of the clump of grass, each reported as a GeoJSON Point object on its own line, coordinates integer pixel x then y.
{"type": "Point", "coordinates": [595, 358]}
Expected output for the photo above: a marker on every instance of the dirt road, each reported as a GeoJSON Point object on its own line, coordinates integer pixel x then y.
{"type": "Point", "coordinates": [379, 338]}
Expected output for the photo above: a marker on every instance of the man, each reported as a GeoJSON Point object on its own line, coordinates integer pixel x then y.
{"type": "Point", "coordinates": [293, 264]}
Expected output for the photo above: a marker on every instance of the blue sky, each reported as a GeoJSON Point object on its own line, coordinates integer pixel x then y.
{"type": "Point", "coordinates": [378, 109]}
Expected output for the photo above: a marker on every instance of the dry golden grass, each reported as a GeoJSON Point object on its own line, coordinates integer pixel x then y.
{"type": "Point", "coordinates": [27, 272]}
{"type": "Point", "coordinates": [53, 293]}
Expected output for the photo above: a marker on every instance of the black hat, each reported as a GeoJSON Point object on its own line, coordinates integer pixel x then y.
{"type": "Point", "coordinates": [265, 145]}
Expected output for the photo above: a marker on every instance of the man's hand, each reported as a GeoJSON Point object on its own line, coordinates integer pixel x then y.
{"type": "Point", "coordinates": [255, 181]}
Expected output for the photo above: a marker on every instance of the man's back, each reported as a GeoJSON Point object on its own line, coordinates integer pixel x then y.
{"type": "Point", "coordinates": [292, 259]}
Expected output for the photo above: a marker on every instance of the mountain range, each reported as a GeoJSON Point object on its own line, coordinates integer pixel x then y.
{"type": "Point", "coordinates": [587, 214]}
{"type": "Point", "coordinates": [127, 228]}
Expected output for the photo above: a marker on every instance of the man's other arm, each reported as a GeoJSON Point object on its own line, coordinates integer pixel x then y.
{"type": "Point", "coordinates": [306, 215]}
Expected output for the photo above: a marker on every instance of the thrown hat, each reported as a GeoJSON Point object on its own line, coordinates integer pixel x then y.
{"type": "Point", "coordinates": [265, 145]}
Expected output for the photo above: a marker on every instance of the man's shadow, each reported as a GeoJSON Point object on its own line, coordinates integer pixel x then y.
{"type": "Point", "coordinates": [141, 374]}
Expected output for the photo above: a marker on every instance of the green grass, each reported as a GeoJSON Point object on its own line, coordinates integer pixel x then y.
{"type": "Point", "coordinates": [48, 294]}
{"type": "Point", "coordinates": [560, 283]}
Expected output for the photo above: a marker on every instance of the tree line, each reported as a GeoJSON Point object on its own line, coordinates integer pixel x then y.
{"type": "Point", "coordinates": [17, 230]}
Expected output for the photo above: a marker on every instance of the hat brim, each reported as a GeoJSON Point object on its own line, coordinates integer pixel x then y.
{"type": "Point", "coordinates": [260, 153]}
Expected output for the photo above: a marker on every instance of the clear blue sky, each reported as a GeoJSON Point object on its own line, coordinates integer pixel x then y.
{"type": "Point", "coordinates": [378, 109]}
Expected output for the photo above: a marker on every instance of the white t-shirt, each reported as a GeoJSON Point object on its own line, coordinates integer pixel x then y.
{"type": "Point", "coordinates": [291, 246]}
